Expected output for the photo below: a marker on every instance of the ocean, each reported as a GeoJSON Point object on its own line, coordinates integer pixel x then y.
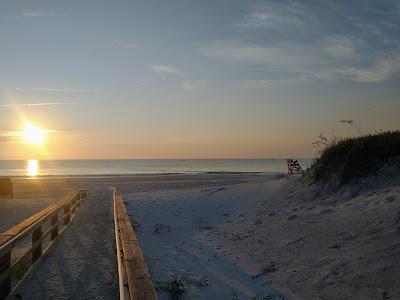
{"type": "Point", "coordinates": [33, 168]}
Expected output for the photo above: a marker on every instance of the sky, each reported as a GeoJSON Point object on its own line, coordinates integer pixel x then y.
{"type": "Point", "coordinates": [195, 79]}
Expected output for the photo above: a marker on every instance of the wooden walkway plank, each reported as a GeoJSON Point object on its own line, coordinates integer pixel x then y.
{"type": "Point", "coordinates": [137, 277]}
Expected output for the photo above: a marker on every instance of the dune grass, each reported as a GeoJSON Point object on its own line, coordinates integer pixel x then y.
{"type": "Point", "coordinates": [355, 157]}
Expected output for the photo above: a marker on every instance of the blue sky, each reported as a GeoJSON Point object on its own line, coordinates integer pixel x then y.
{"type": "Point", "coordinates": [195, 79]}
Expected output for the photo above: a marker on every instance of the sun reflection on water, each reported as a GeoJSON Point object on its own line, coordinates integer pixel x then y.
{"type": "Point", "coordinates": [32, 167]}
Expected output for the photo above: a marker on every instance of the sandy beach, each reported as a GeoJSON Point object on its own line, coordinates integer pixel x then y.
{"type": "Point", "coordinates": [178, 235]}
{"type": "Point", "coordinates": [229, 236]}
{"type": "Point", "coordinates": [273, 236]}
{"type": "Point", "coordinates": [227, 150]}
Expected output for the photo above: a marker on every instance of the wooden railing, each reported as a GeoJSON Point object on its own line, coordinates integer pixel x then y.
{"type": "Point", "coordinates": [22, 245]}
{"type": "Point", "coordinates": [134, 279]}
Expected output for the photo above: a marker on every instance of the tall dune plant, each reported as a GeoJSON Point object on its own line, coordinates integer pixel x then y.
{"type": "Point", "coordinates": [354, 157]}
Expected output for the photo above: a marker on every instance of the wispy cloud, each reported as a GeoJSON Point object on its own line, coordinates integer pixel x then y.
{"type": "Point", "coordinates": [38, 104]}
{"type": "Point", "coordinates": [7, 18]}
{"type": "Point", "coordinates": [336, 58]}
{"type": "Point", "coordinates": [275, 15]}
{"type": "Point", "coordinates": [31, 14]}
{"type": "Point", "coordinates": [190, 85]}
{"type": "Point", "coordinates": [301, 46]}
{"type": "Point", "coordinates": [66, 90]}
{"type": "Point", "coordinates": [341, 47]}
{"type": "Point", "coordinates": [382, 69]}
{"type": "Point", "coordinates": [286, 53]}
{"type": "Point", "coordinates": [17, 136]}
{"type": "Point", "coordinates": [167, 70]}
{"type": "Point", "coordinates": [278, 82]}
{"type": "Point", "coordinates": [180, 77]}
{"type": "Point", "coordinates": [35, 14]}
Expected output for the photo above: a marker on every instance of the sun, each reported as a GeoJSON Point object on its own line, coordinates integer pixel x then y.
{"type": "Point", "coordinates": [33, 135]}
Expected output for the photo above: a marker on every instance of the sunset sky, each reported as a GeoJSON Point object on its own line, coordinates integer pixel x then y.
{"type": "Point", "coordinates": [194, 79]}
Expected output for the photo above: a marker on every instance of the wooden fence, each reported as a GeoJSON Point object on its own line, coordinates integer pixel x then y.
{"type": "Point", "coordinates": [134, 279]}
{"type": "Point", "coordinates": [22, 245]}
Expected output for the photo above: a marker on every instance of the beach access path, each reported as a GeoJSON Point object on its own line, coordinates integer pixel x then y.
{"type": "Point", "coordinates": [82, 263]}
{"type": "Point", "coordinates": [178, 232]}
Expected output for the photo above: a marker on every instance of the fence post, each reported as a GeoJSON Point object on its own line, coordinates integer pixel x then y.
{"type": "Point", "coordinates": [67, 213]}
{"type": "Point", "coordinates": [36, 236]}
{"type": "Point", "coordinates": [54, 220]}
{"type": "Point", "coordinates": [5, 263]}
{"type": "Point", "coordinates": [73, 206]}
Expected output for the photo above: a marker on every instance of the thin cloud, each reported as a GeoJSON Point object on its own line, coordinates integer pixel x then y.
{"type": "Point", "coordinates": [336, 58]}
{"type": "Point", "coordinates": [275, 15]}
{"type": "Point", "coordinates": [35, 14]}
{"type": "Point", "coordinates": [18, 135]}
{"type": "Point", "coordinates": [9, 18]}
{"type": "Point", "coordinates": [380, 70]}
{"type": "Point", "coordinates": [66, 90]}
{"type": "Point", "coordinates": [179, 76]}
{"type": "Point", "coordinates": [298, 49]}
{"type": "Point", "coordinates": [291, 54]}
{"type": "Point", "coordinates": [190, 85]}
{"type": "Point", "coordinates": [31, 14]}
{"type": "Point", "coordinates": [341, 47]}
{"type": "Point", "coordinates": [38, 104]}
{"type": "Point", "coordinates": [274, 83]}
{"type": "Point", "coordinates": [167, 70]}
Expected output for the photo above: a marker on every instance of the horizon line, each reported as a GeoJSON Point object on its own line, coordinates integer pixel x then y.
{"type": "Point", "coordinates": [265, 158]}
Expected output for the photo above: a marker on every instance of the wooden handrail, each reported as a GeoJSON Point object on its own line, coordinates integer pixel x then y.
{"type": "Point", "coordinates": [134, 278]}
{"type": "Point", "coordinates": [13, 266]}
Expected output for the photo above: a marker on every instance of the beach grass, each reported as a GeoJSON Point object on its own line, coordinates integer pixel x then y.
{"type": "Point", "coordinates": [356, 157]}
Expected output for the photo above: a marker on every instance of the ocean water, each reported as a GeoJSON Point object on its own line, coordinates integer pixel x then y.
{"type": "Point", "coordinates": [139, 166]}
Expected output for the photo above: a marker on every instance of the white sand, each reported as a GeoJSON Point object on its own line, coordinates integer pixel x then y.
{"type": "Point", "coordinates": [314, 244]}
{"type": "Point", "coordinates": [233, 237]}
{"type": "Point", "coordinates": [188, 248]}
{"type": "Point", "coordinates": [301, 242]}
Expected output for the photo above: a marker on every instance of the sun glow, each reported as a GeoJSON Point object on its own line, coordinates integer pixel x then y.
{"type": "Point", "coordinates": [32, 167]}
{"type": "Point", "coordinates": [33, 135]}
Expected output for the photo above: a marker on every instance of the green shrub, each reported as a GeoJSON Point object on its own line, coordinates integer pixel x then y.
{"type": "Point", "coordinates": [355, 157]}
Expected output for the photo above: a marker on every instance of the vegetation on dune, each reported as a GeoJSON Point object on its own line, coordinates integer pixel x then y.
{"type": "Point", "coordinates": [354, 157]}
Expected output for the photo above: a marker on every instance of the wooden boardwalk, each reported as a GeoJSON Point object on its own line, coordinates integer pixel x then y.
{"type": "Point", "coordinates": [24, 244]}
{"type": "Point", "coordinates": [82, 264]}
{"type": "Point", "coordinates": [92, 260]}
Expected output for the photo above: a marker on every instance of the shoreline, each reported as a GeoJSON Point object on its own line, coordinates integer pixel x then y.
{"type": "Point", "coordinates": [136, 175]}
{"type": "Point", "coordinates": [94, 168]}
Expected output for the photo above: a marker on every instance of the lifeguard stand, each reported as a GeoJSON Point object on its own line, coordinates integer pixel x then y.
{"type": "Point", "coordinates": [294, 166]}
